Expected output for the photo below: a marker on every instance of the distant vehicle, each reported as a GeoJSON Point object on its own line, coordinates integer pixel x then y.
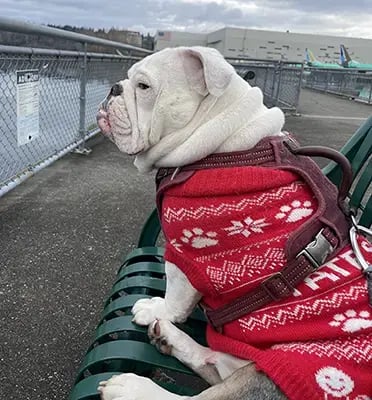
{"type": "Point", "coordinates": [311, 61]}
{"type": "Point", "coordinates": [347, 62]}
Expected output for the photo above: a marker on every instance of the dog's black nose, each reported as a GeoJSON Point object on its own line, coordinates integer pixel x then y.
{"type": "Point", "coordinates": [116, 90]}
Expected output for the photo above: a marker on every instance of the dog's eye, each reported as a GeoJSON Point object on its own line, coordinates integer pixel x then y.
{"type": "Point", "coordinates": [142, 86]}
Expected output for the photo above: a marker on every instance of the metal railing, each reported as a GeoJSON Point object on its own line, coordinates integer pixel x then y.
{"type": "Point", "coordinates": [49, 98]}
{"type": "Point", "coordinates": [280, 81]}
{"type": "Point", "coordinates": [349, 83]}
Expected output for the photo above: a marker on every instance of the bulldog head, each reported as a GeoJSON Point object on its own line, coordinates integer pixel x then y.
{"type": "Point", "coordinates": [161, 95]}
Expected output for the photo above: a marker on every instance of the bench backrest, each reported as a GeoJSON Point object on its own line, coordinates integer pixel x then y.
{"type": "Point", "coordinates": [358, 151]}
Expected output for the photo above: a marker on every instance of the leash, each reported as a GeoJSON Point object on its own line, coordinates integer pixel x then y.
{"type": "Point", "coordinates": [366, 267]}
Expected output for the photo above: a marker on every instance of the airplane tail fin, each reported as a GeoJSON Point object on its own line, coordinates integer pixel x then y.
{"type": "Point", "coordinates": [344, 55]}
{"type": "Point", "coordinates": [309, 56]}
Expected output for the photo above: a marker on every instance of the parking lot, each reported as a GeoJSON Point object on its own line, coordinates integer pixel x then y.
{"type": "Point", "coordinates": [63, 233]}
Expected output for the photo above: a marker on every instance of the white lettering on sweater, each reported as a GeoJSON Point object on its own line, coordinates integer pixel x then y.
{"type": "Point", "coordinates": [330, 271]}
{"type": "Point", "coordinates": [349, 256]}
{"type": "Point", "coordinates": [311, 281]}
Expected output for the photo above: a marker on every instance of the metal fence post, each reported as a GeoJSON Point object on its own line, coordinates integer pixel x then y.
{"type": "Point", "coordinates": [82, 149]}
{"type": "Point", "coordinates": [272, 94]}
{"type": "Point", "coordinates": [278, 74]}
{"type": "Point", "coordinates": [265, 80]}
{"type": "Point", "coordinates": [326, 82]}
{"type": "Point", "coordinates": [370, 92]}
{"type": "Point", "coordinates": [343, 88]}
{"type": "Point", "coordinates": [299, 86]}
{"type": "Point", "coordinates": [310, 78]}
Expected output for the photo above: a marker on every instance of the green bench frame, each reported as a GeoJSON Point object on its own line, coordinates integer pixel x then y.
{"type": "Point", "coordinates": [121, 346]}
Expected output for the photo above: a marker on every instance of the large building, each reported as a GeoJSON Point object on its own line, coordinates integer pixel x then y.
{"type": "Point", "coordinates": [269, 45]}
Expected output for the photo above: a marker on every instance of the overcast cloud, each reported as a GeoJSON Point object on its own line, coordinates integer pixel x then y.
{"type": "Point", "coordinates": [342, 17]}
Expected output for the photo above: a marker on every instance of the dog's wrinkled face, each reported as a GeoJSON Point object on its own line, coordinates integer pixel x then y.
{"type": "Point", "coordinates": [161, 95]}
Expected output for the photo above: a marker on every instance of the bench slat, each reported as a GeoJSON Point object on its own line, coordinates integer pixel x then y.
{"type": "Point", "coordinates": [144, 254]}
{"type": "Point", "coordinates": [361, 187]}
{"type": "Point", "coordinates": [137, 285]}
{"type": "Point", "coordinates": [123, 303]}
{"type": "Point", "coordinates": [126, 356]}
{"type": "Point", "coordinates": [139, 268]}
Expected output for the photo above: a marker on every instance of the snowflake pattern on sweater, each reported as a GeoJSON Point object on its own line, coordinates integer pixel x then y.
{"type": "Point", "coordinates": [226, 229]}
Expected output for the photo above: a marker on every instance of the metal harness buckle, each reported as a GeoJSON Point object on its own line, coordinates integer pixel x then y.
{"type": "Point", "coordinates": [317, 251]}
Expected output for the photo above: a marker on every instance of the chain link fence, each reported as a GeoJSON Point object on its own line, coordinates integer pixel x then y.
{"type": "Point", "coordinates": [49, 98]}
{"type": "Point", "coordinates": [349, 83]}
{"type": "Point", "coordinates": [280, 82]}
{"type": "Point", "coordinates": [59, 97]}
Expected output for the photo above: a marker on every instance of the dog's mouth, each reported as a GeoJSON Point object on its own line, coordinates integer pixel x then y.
{"type": "Point", "coordinates": [103, 121]}
{"type": "Point", "coordinates": [114, 122]}
{"type": "Point", "coordinates": [112, 117]}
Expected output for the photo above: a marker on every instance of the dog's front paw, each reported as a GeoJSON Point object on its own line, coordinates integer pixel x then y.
{"type": "Point", "coordinates": [163, 335]}
{"type": "Point", "coordinates": [111, 389]}
{"type": "Point", "coordinates": [132, 387]}
{"type": "Point", "coordinates": [169, 339]}
{"type": "Point", "coordinates": [146, 311]}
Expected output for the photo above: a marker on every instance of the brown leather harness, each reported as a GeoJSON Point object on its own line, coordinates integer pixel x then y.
{"type": "Point", "coordinates": [315, 242]}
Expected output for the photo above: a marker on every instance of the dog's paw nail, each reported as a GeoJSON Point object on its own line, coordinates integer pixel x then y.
{"type": "Point", "coordinates": [153, 329]}
{"type": "Point", "coordinates": [156, 327]}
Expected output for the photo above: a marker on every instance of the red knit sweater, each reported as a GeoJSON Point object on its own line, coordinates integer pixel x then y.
{"type": "Point", "coordinates": [226, 230]}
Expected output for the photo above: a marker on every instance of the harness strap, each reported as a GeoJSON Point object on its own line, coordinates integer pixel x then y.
{"type": "Point", "coordinates": [316, 241]}
{"type": "Point", "coordinates": [262, 154]}
{"type": "Point", "coordinates": [279, 285]}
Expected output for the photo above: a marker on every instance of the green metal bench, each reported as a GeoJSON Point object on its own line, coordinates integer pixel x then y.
{"type": "Point", "coordinates": [121, 346]}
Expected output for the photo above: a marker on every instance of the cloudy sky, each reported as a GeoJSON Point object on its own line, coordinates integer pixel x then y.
{"type": "Point", "coordinates": [335, 17]}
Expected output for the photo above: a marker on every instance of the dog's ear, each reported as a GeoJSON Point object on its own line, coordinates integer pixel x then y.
{"type": "Point", "coordinates": [206, 70]}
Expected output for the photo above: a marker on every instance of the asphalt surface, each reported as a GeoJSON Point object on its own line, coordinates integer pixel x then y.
{"type": "Point", "coordinates": [63, 234]}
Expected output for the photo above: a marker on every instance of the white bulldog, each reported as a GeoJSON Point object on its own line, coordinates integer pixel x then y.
{"type": "Point", "coordinates": [176, 107]}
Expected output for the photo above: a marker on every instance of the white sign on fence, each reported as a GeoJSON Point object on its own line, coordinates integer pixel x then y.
{"type": "Point", "coordinates": [27, 106]}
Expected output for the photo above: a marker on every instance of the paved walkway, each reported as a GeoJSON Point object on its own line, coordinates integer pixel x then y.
{"type": "Point", "coordinates": [326, 119]}
{"type": "Point", "coordinates": [62, 235]}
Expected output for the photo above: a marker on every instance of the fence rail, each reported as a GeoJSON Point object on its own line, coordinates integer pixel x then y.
{"type": "Point", "coordinates": [343, 82]}
{"type": "Point", "coordinates": [10, 25]}
{"type": "Point", "coordinates": [49, 98]}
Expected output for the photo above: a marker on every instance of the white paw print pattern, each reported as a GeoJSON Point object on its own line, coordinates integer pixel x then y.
{"type": "Point", "coordinates": [246, 227]}
{"type": "Point", "coordinates": [198, 239]}
{"type": "Point", "coordinates": [351, 321]}
{"type": "Point", "coordinates": [295, 211]}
